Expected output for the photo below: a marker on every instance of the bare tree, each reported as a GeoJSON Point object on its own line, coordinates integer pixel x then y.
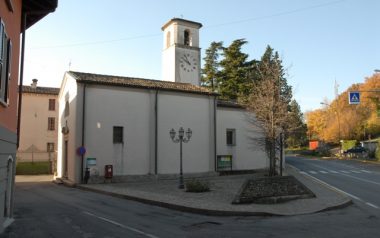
{"type": "Point", "coordinates": [269, 105]}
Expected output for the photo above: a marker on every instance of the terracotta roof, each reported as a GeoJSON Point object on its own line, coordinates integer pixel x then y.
{"type": "Point", "coordinates": [138, 83]}
{"type": "Point", "coordinates": [40, 90]}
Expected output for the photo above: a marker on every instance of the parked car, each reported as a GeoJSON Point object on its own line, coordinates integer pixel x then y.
{"type": "Point", "coordinates": [356, 149]}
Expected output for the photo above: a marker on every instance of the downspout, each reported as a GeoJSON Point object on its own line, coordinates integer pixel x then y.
{"type": "Point", "coordinates": [83, 127]}
{"type": "Point", "coordinates": [24, 15]}
{"type": "Point", "coordinates": [215, 155]}
{"type": "Point", "coordinates": [156, 133]}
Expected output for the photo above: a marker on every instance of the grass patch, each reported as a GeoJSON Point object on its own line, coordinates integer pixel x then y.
{"type": "Point", "coordinates": [33, 168]}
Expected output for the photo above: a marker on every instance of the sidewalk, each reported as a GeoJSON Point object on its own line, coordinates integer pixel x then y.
{"type": "Point", "coordinates": [165, 193]}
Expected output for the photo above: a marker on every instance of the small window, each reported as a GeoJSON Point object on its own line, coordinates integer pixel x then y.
{"type": "Point", "coordinates": [51, 104]}
{"type": "Point", "coordinates": [51, 123]}
{"type": "Point", "coordinates": [186, 37]}
{"type": "Point", "coordinates": [231, 137]}
{"type": "Point", "coordinates": [67, 109]}
{"type": "Point", "coordinates": [50, 147]}
{"type": "Point", "coordinates": [117, 134]}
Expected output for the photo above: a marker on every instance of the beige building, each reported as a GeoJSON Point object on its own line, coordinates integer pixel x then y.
{"type": "Point", "coordinates": [38, 137]}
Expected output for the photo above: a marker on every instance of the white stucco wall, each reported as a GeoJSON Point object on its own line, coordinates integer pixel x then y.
{"type": "Point", "coordinates": [69, 92]}
{"type": "Point", "coordinates": [129, 108]}
{"type": "Point", "coordinates": [246, 154]}
{"type": "Point", "coordinates": [189, 111]}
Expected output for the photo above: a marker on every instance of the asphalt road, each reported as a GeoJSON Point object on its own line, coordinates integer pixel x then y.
{"type": "Point", "coordinates": [359, 180]}
{"type": "Point", "coordinates": [44, 209]}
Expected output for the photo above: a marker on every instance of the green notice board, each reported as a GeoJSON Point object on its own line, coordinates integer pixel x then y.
{"type": "Point", "coordinates": [91, 161]}
{"type": "Point", "coordinates": [224, 162]}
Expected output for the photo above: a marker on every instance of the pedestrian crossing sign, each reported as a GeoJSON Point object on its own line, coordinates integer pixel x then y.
{"type": "Point", "coordinates": [354, 97]}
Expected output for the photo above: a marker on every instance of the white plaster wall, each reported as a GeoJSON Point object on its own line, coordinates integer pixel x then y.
{"type": "Point", "coordinates": [189, 111]}
{"type": "Point", "coordinates": [168, 64]}
{"type": "Point", "coordinates": [69, 91]}
{"type": "Point", "coordinates": [118, 106]}
{"type": "Point", "coordinates": [34, 127]}
{"type": "Point", "coordinates": [246, 154]}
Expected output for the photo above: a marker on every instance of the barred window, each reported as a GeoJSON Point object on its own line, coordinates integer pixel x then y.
{"type": "Point", "coordinates": [51, 123]}
{"type": "Point", "coordinates": [50, 147]}
{"type": "Point", "coordinates": [51, 104]}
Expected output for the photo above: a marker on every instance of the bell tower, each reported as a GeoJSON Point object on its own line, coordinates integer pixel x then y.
{"type": "Point", "coordinates": [181, 53]}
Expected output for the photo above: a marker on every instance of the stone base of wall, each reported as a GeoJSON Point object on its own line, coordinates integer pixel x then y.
{"type": "Point", "coordinates": [149, 177]}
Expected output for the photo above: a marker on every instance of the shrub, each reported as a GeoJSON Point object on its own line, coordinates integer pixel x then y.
{"type": "Point", "coordinates": [197, 186]}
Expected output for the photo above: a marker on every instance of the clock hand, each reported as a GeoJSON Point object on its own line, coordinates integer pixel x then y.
{"type": "Point", "coordinates": [186, 60]}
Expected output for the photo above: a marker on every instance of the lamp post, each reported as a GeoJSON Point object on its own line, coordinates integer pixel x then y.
{"type": "Point", "coordinates": [181, 138]}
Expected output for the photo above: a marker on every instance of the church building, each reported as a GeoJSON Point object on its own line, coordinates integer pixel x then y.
{"type": "Point", "coordinates": [125, 122]}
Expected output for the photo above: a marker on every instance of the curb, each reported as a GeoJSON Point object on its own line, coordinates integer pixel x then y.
{"type": "Point", "coordinates": [210, 212]}
{"type": "Point", "coordinates": [207, 212]}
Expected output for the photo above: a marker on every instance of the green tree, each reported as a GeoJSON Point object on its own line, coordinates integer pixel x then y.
{"type": "Point", "coordinates": [210, 72]}
{"type": "Point", "coordinates": [296, 129]}
{"type": "Point", "coordinates": [233, 75]}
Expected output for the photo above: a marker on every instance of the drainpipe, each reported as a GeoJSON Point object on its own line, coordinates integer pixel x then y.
{"type": "Point", "coordinates": [156, 134]}
{"type": "Point", "coordinates": [215, 158]}
{"type": "Point", "coordinates": [24, 15]}
{"type": "Point", "coordinates": [83, 129]}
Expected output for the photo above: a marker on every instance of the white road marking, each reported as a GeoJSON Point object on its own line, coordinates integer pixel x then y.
{"type": "Point", "coordinates": [366, 171]}
{"type": "Point", "coordinates": [372, 205]}
{"type": "Point", "coordinates": [312, 172]}
{"type": "Point", "coordinates": [333, 171]}
{"type": "Point", "coordinates": [323, 172]}
{"type": "Point", "coordinates": [335, 188]}
{"type": "Point", "coordinates": [344, 171]}
{"type": "Point", "coordinates": [361, 179]}
{"type": "Point", "coordinates": [341, 191]}
{"type": "Point", "coordinates": [121, 225]}
{"type": "Point", "coordinates": [356, 172]}
{"type": "Point", "coordinates": [303, 172]}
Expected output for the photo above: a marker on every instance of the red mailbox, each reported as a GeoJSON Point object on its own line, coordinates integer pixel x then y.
{"type": "Point", "coordinates": [108, 171]}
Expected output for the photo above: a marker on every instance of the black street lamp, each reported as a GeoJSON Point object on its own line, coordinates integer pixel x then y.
{"type": "Point", "coordinates": [181, 138]}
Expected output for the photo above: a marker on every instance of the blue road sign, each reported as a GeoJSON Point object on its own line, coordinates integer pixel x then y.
{"type": "Point", "coordinates": [354, 97]}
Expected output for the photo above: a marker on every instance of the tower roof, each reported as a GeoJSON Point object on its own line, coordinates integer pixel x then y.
{"type": "Point", "coordinates": [183, 21]}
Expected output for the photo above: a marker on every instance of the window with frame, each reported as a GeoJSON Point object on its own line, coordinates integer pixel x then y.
{"type": "Point", "coordinates": [118, 134]}
{"type": "Point", "coordinates": [231, 137]}
{"type": "Point", "coordinates": [51, 123]}
{"type": "Point", "coordinates": [50, 147]}
{"type": "Point", "coordinates": [5, 64]}
{"type": "Point", "coordinates": [51, 104]}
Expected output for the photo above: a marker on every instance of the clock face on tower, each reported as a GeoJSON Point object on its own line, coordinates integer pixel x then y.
{"type": "Point", "coordinates": [188, 62]}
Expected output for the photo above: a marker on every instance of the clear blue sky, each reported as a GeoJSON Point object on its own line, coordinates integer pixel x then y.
{"type": "Point", "coordinates": [320, 41]}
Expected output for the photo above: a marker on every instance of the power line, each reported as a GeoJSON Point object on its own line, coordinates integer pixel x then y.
{"type": "Point", "coordinates": [205, 27]}
{"type": "Point", "coordinates": [276, 14]}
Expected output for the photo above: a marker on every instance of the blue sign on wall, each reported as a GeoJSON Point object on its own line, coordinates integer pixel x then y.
{"type": "Point", "coordinates": [354, 97]}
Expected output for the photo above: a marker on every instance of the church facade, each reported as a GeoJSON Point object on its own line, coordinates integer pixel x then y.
{"type": "Point", "coordinates": [125, 122]}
